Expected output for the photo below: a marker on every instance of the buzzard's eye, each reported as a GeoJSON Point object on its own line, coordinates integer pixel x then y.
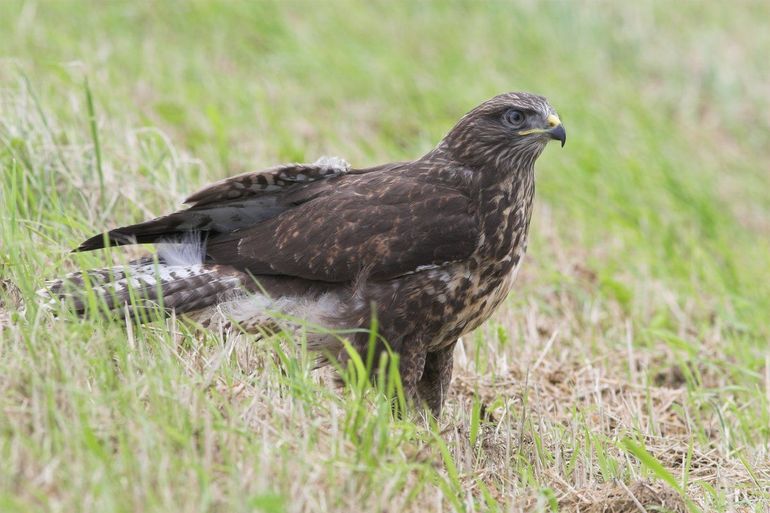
{"type": "Point", "coordinates": [513, 117]}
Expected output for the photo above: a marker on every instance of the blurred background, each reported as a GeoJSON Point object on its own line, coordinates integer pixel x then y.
{"type": "Point", "coordinates": [666, 170]}
{"type": "Point", "coordinates": [653, 219]}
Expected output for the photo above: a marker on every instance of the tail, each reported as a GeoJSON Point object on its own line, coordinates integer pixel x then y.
{"type": "Point", "coordinates": [143, 286]}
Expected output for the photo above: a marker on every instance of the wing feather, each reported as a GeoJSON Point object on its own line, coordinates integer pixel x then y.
{"type": "Point", "coordinates": [268, 181]}
{"type": "Point", "coordinates": [322, 221]}
{"type": "Point", "coordinates": [228, 205]}
{"type": "Point", "coordinates": [386, 225]}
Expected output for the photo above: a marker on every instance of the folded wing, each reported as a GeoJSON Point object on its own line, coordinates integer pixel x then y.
{"type": "Point", "coordinates": [321, 222]}
{"type": "Point", "coordinates": [380, 225]}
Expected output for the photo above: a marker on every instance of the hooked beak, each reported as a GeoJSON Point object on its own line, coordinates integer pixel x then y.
{"type": "Point", "coordinates": [557, 129]}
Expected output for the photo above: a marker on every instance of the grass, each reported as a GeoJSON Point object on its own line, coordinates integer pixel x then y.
{"type": "Point", "coordinates": [629, 368]}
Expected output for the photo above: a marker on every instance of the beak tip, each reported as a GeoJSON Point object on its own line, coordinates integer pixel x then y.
{"type": "Point", "coordinates": [558, 133]}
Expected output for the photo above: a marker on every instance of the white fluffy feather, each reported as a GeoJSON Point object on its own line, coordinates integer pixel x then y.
{"type": "Point", "coordinates": [189, 250]}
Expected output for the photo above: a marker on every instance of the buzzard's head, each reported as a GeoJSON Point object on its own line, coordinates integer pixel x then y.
{"type": "Point", "coordinates": [507, 132]}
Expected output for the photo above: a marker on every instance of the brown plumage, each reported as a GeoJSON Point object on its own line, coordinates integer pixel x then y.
{"type": "Point", "coordinates": [430, 246]}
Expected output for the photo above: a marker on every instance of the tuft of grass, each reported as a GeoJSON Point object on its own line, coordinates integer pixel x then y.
{"type": "Point", "coordinates": [629, 368]}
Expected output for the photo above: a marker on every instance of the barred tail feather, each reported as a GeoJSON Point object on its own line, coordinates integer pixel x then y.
{"type": "Point", "coordinates": [144, 285]}
{"type": "Point", "coordinates": [213, 295]}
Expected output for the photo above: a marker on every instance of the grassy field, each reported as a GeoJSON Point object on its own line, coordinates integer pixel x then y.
{"type": "Point", "coordinates": [628, 371]}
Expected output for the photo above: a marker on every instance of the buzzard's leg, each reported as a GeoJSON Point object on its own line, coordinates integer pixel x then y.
{"type": "Point", "coordinates": [411, 365]}
{"type": "Point", "coordinates": [434, 384]}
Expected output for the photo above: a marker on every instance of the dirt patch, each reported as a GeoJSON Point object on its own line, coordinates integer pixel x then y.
{"type": "Point", "coordinates": [638, 496]}
{"type": "Point", "coordinates": [10, 300]}
{"type": "Point", "coordinates": [670, 377]}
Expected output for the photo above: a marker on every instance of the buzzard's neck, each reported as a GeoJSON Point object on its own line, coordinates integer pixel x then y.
{"type": "Point", "coordinates": [505, 209]}
{"type": "Point", "coordinates": [503, 199]}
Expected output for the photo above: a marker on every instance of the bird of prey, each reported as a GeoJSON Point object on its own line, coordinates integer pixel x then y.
{"type": "Point", "coordinates": [430, 246]}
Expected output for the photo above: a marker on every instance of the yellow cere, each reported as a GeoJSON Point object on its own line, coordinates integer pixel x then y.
{"type": "Point", "coordinates": [553, 120]}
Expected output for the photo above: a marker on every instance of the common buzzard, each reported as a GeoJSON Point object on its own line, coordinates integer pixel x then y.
{"type": "Point", "coordinates": [430, 246]}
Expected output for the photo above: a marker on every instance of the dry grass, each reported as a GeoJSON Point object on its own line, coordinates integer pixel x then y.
{"type": "Point", "coordinates": [629, 370]}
